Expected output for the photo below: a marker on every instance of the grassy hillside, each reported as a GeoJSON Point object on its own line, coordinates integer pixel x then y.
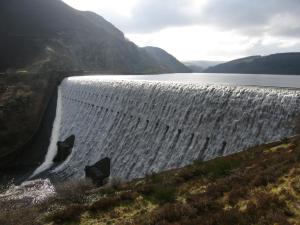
{"type": "Point", "coordinates": [257, 186]}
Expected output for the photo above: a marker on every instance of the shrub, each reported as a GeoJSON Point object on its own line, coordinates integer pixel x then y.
{"type": "Point", "coordinates": [106, 191]}
{"type": "Point", "coordinates": [272, 217]}
{"type": "Point", "coordinates": [114, 183]}
{"type": "Point", "coordinates": [73, 191]}
{"type": "Point", "coordinates": [154, 178]}
{"type": "Point", "coordinates": [267, 176]}
{"type": "Point", "coordinates": [295, 184]}
{"type": "Point", "coordinates": [191, 172]}
{"type": "Point", "coordinates": [146, 189]}
{"type": "Point", "coordinates": [105, 203]}
{"type": "Point", "coordinates": [260, 180]}
{"type": "Point", "coordinates": [269, 201]}
{"type": "Point", "coordinates": [229, 217]}
{"type": "Point", "coordinates": [221, 167]}
{"type": "Point", "coordinates": [266, 209]}
{"type": "Point", "coordinates": [159, 193]}
{"type": "Point", "coordinates": [172, 213]}
{"type": "Point", "coordinates": [235, 195]}
{"type": "Point", "coordinates": [70, 212]}
{"type": "Point", "coordinates": [128, 196]}
{"type": "Point", "coordinates": [22, 216]}
{"type": "Point", "coordinates": [217, 190]}
{"type": "Point", "coordinates": [164, 194]}
{"type": "Point", "coordinates": [202, 203]}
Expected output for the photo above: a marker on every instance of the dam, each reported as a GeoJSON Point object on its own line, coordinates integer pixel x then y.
{"type": "Point", "coordinates": [151, 126]}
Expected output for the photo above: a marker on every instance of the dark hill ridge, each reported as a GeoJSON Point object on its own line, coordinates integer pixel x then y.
{"type": "Point", "coordinates": [166, 61]}
{"type": "Point", "coordinates": [54, 36]}
{"type": "Point", "coordinates": [200, 65]}
{"type": "Point", "coordinates": [283, 63]}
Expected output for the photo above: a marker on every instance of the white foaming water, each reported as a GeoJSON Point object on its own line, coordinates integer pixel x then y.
{"type": "Point", "coordinates": [30, 192]}
{"type": "Point", "coordinates": [148, 127]}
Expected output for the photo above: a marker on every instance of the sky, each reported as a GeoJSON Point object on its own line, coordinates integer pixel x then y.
{"type": "Point", "coordinates": [218, 30]}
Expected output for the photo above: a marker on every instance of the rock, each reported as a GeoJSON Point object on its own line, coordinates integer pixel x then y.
{"type": "Point", "coordinates": [99, 171]}
{"type": "Point", "coordinates": [64, 149]}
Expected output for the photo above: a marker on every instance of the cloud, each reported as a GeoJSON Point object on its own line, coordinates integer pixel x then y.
{"type": "Point", "coordinates": [255, 17]}
{"type": "Point", "coordinates": [205, 29]}
{"type": "Point", "coordinates": [260, 47]}
{"type": "Point", "coordinates": [249, 17]}
{"type": "Point", "coordinates": [197, 42]}
{"type": "Point", "coordinates": [153, 15]}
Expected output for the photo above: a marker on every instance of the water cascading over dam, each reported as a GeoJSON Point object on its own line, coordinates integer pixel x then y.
{"type": "Point", "coordinates": [146, 127]}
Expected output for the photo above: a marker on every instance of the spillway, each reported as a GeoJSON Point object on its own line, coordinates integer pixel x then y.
{"type": "Point", "coordinates": [146, 127]}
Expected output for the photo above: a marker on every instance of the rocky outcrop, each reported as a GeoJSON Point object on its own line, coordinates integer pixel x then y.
{"type": "Point", "coordinates": [99, 171]}
{"type": "Point", "coordinates": [64, 149]}
{"type": "Point", "coordinates": [27, 111]}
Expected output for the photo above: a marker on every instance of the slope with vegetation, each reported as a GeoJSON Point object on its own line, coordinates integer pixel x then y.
{"type": "Point", "coordinates": [283, 63]}
{"type": "Point", "coordinates": [167, 62]}
{"type": "Point", "coordinates": [49, 35]}
{"type": "Point", "coordinates": [257, 186]}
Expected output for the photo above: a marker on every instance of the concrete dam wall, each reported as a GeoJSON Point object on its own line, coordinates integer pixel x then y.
{"type": "Point", "coordinates": [147, 127]}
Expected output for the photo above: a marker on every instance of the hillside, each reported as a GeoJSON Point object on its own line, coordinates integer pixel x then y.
{"type": "Point", "coordinates": [50, 35]}
{"type": "Point", "coordinates": [283, 63]}
{"type": "Point", "coordinates": [257, 186]}
{"type": "Point", "coordinates": [200, 65]}
{"type": "Point", "coordinates": [166, 61]}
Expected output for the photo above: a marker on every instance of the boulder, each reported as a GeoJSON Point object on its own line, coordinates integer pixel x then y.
{"type": "Point", "coordinates": [99, 171]}
{"type": "Point", "coordinates": [64, 149]}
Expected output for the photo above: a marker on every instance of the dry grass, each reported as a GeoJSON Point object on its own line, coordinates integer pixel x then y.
{"type": "Point", "coordinates": [73, 191]}
{"type": "Point", "coordinates": [258, 186]}
{"type": "Point", "coordinates": [22, 216]}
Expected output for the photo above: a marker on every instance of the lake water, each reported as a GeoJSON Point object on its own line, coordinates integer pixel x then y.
{"type": "Point", "coordinates": [290, 81]}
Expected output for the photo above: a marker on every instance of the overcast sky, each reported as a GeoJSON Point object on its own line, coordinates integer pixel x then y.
{"type": "Point", "coordinates": [205, 29]}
